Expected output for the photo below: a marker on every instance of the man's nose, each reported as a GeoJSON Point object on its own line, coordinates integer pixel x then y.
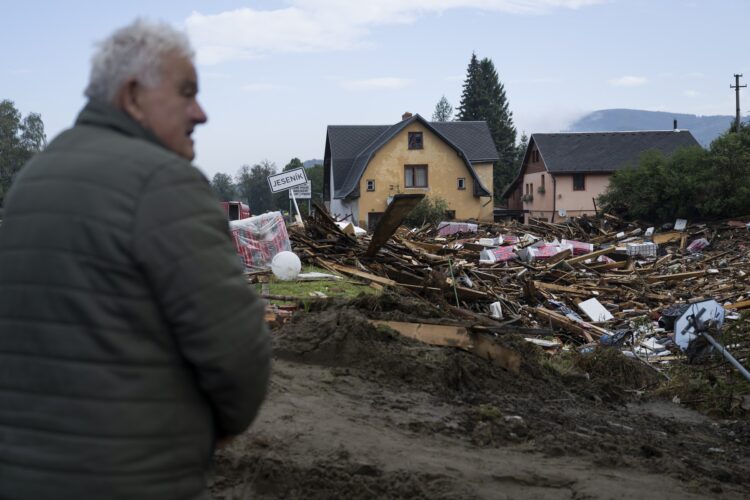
{"type": "Point", "coordinates": [197, 114]}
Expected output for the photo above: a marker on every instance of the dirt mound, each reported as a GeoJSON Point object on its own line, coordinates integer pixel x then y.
{"type": "Point", "coordinates": [333, 477]}
{"type": "Point", "coordinates": [343, 338]}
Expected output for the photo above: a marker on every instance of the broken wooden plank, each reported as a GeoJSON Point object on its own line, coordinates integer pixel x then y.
{"type": "Point", "coordinates": [581, 328]}
{"type": "Point", "coordinates": [739, 305]}
{"type": "Point", "coordinates": [398, 208]}
{"type": "Point", "coordinates": [458, 337]}
{"type": "Point", "coordinates": [661, 238]}
{"type": "Point", "coordinates": [674, 277]}
{"type": "Point", "coordinates": [562, 289]}
{"type": "Point", "coordinates": [591, 255]}
{"type": "Point", "coordinates": [351, 271]}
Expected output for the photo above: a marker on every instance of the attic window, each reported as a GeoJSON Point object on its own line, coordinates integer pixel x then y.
{"type": "Point", "coordinates": [461, 183]}
{"type": "Point", "coordinates": [371, 184]}
{"type": "Point", "coordinates": [415, 140]}
{"type": "Point", "coordinates": [535, 156]}
{"type": "Point", "coordinates": [579, 182]}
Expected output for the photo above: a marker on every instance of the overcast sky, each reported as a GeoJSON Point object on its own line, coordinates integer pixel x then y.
{"type": "Point", "coordinates": [274, 74]}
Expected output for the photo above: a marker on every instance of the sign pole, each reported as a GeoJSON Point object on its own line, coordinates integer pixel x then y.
{"type": "Point", "coordinates": [297, 217]}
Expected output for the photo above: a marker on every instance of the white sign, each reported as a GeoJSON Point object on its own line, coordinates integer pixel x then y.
{"type": "Point", "coordinates": [286, 180]}
{"type": "Point", "coordinates": [302, 192]}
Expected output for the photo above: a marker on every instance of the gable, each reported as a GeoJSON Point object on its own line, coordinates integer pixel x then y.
{"type": "Point", "coordinates": [470, 140]}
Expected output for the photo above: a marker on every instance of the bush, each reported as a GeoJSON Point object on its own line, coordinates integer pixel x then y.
{"type": "Point", "coordinates": [431, 210]}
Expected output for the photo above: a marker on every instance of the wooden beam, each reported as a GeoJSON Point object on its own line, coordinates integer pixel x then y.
{"type": "Point", "coordinates": [592, 255]}
{"type": "Point", "coordinates": [580, 328]}
{"type": "Point", "coordinates": [351, 271]}
{"type": "Point", "coordinates": [661, 238]}
{"type": "Point", "coordinates": [674, 277]}
{"type": "Point", "coordinates": [562, 289]}
{"type": "Point", "coordinates": [739, 305]}
{"type": "Point", "coordinates": [397, 209]}
{"type": "Point", "coordinates": [458, 337]}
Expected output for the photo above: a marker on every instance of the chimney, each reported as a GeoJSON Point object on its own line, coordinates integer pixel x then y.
{"type": "Point", "coordinates": [674, 125]}
{"type": "Point", "coordinates": [405, 116]}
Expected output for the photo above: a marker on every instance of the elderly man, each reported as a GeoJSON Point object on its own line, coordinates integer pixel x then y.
{"type": "Point", "coordinates": [130, 343]}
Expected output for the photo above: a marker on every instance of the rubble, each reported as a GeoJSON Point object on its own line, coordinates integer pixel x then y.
{"type": "Point", "coordinates": [502, 276]}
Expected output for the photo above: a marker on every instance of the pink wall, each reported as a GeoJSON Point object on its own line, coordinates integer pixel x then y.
{"type": "Point", "coordinates": [574, 202]}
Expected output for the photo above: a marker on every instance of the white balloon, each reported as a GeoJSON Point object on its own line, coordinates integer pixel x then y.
{"type": "Point", "coordinates": [286, 266]}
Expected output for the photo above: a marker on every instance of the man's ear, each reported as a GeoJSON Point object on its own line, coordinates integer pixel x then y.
{"type": "Point", "coordinates": [128, 99]}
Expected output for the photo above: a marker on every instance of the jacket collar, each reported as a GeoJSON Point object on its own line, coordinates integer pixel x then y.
{"type": "Point", "coordinates": [107, 116]}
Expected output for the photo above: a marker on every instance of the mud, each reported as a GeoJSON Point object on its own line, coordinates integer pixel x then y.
{"type": "Point", "coordinates": [357, 411]}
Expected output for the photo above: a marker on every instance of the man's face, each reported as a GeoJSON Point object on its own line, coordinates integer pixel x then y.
{"type": "Point", "coordinates": [171, 109]}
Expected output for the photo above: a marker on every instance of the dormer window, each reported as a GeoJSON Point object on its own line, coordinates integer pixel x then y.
{"type": "Point", "coordinates": [415, 140]}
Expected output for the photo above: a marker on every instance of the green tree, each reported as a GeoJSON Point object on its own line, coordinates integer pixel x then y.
{"type": "Point", "coordinates": [224, 187]}
{"type": "Point", "coordinates": [20, 139]}
{"type": "Point", "coordinates": [431, 210]}
{"type": "Point", "coordinates": [727, 181]}
{"type": "Point", "coordinates": [252, 185]}
{"type": "Point", "coordinates": [484, 98]}
{"type": "Point", "coordinates": [443, 111]}
{"type": "Point", "coordinates": [523, 143]}
{"type": "Point", "coordinates": [470, 108]}
{"type": "Point", "coordinates": [315, 174]}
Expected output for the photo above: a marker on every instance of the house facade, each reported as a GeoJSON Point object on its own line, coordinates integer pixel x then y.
{"type": "Point", "coordinates": [563, 174]}
{"type": "Point", "coordinates": [365, 166]}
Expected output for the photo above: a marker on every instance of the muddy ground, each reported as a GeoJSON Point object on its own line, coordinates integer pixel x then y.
{"type": "Point", "coordinates": [359, 412]}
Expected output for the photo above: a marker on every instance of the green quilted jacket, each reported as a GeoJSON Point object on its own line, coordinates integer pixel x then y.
{"type": "Point", "coordinates": [129, 339]}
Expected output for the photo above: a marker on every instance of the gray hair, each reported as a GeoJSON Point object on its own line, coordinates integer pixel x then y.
{"type": "Point", "coordinates": [136, 50]}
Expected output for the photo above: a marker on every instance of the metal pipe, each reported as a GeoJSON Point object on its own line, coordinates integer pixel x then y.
{"type": "Point", "coordinates": [726, 355]}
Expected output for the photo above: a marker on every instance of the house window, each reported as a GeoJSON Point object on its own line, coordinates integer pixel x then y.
{"type": "Point", "coordinates": [535, 156]}
{"type": "Point", "coordinates": [542, 182]}
{"type": "Point", "coordinates": [450, 214]}
{"type": "Point", "coordinates": [462, 183]}
{"type": "Point", "coordinates": [415, 176]}
{"type": "Point", "coordinates": [415, 140]}
{"type": "Point", "coordinates": [371, 184]}
{"type": "Point", "coordinates": [579, 182]}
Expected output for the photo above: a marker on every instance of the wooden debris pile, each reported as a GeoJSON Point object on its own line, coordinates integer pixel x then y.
{"type": "Point", "coordinates": [624, 274]}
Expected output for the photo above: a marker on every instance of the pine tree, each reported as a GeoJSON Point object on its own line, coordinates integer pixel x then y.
{"type": "Point", "coordinates": [443, 111]}
{"type": "Point", "coordinates": [484, 98]}
{"type": "Point", "coordinates": [468, 110]}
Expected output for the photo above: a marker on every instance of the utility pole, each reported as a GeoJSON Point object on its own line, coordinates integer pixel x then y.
{"type": "Point", "coordinates": [737, 88]}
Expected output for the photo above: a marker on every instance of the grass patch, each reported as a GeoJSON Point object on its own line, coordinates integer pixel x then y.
{"type": "Point", "coordinates": [345, 288]}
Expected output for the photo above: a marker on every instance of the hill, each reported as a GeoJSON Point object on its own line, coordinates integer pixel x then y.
{"type": "Point", "coordinates": [704, 128]}
{"type": "Point", "coordinates": [311, 163]}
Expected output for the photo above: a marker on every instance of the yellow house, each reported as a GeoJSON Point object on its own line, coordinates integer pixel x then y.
{"type": "Point", "coordinates": [365, 165]}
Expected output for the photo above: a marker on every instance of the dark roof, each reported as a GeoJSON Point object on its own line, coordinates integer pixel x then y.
{"type": "Point", "coordinates": [349, 148]}
{"type": "Point", "coordinates": [592, 152]}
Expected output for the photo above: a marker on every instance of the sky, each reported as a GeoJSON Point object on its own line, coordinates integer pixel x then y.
{"type": "Point", "coordinates": [274, 74]}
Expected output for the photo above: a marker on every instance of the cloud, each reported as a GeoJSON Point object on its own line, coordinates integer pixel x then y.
{"type": "Point", "coordinates": [323, 25]}
{"type": "Point", "coordinates": [628, 81]}
{"type": "Point", "coordinates": [691, 93]}
{"type": "Point", "coordinates": [384, 83]}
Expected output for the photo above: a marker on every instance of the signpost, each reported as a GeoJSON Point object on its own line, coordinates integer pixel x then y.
{"type": "Point", "coordinates": [301, 192]}
{"type": "Point", "coordinates": [288, 180]}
